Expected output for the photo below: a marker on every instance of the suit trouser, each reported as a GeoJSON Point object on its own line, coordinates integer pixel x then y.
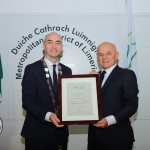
{"type": "Point", "coordinates": [94, 144]}
{"type": "Point", "coordinates": [53, 143]}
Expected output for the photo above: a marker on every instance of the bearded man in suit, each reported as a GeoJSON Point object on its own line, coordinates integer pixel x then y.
{"type": "Point", "coordinates": [119, 102]}
{"type": "Point", "coordinates": [41, 127]}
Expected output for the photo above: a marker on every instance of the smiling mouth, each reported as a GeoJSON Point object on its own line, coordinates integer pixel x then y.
{"type": "Point", "coordinates": [105, 61]}
{"type": "Point", "coordinates": [53, 50]}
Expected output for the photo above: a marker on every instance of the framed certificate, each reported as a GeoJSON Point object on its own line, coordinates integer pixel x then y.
{"type": "Point", "coordinates": [79, 100]}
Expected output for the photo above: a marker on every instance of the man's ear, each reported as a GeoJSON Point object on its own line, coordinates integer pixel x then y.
{"type": "Point", "coordinates": [117, 55]}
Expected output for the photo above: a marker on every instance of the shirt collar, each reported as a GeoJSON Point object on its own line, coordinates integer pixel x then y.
{"type": "Point", "coordinates": [49, 63]}
{"type": "Point", "coordinates": [109, 70]}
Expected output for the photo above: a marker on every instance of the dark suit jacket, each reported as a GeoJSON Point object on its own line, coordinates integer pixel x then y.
{"type": "Point", "coordinates": [37, 102]}
{"type": "Point", "coordinates": [119, 98]}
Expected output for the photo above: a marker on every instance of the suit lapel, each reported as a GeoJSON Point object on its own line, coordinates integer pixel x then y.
{"type": "Point", "coordinates": [43, 74]}
{"type": "Point", "coordinates": [110, 78]}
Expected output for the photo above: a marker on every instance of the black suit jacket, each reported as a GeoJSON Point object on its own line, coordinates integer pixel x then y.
{"type": "Point", "coordinates": [119, 98]}
{"type": "Point", "coordinates": [37, 102]}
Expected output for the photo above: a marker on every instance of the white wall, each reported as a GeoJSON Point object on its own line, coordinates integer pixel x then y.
{"type": "Point", "coordinates": [76, 6]}
{"type": "Point", "coordinates": [100, 21]}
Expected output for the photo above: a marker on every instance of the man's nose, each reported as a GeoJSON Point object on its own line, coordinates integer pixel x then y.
{"type": "Point", "coordinates": [54, 45]}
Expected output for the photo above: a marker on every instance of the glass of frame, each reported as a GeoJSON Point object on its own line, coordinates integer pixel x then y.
{"type": "Point", "coordinates": [79, 100]}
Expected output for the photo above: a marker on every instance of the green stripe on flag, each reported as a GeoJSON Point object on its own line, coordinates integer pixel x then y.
{"type": "Point", "coordinates": [133, 43]}
{"type": "Point", "coordinates": [131, 60]}
{"type": "Point", "coordinates": [129, 34]}
{"type": "Point", "coordinates": [128, 51]}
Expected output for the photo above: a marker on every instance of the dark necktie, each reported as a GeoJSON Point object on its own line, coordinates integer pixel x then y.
{"type": "Point", "coordinates": [54, 79]}
{"type": "Point", "coordinates": [102, 77]}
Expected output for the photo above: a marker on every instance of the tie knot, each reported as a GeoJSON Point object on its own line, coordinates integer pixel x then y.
{"type": "Point", "coordinates": [103, 73]}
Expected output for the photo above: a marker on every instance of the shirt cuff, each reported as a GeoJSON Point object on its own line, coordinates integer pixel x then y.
{"type": "Point", "coordinates": [47, 116]}
{"type": "Point", "coordinates": [111, 120]}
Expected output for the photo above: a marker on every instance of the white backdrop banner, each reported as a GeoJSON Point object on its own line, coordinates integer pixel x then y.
{"type": "Point", "coordinates": [21, 41]}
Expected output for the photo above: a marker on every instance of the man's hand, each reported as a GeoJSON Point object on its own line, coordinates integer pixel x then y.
{"type": "Point", "coordinates": [93, 72]}
{"type": "Point", "coordinates": [102, 123]}
{"type": "Point", "coordinates": [53, 118]}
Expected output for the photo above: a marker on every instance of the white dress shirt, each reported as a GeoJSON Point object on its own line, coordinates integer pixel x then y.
{"type": "Point", "coordinates": [110, 119]}
{"type": "Point", "coordinates": [50, 69]}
